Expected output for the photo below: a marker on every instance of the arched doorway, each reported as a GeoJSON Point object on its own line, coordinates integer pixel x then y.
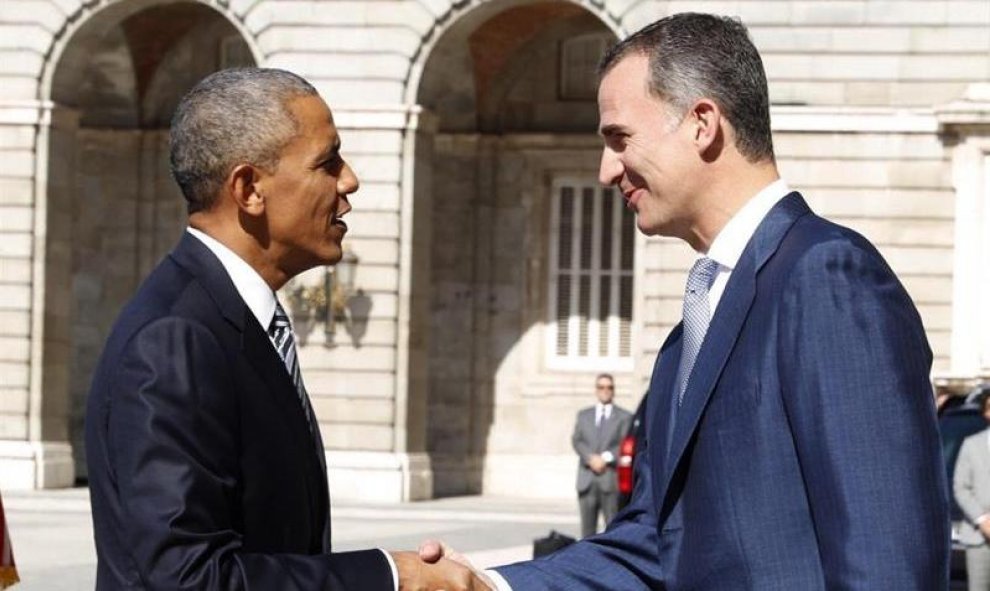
{"type": "Point", "coordinates": [512, 86]}
{"type": "Point", "coordinates": [112, 208]}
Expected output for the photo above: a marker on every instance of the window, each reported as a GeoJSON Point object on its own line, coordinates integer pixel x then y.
{"type": "Point", "coordinates": [578, 61]}
{"type": "Point", "coordinates": [591, 278]}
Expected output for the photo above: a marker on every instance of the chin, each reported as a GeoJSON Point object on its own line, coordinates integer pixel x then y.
{"type": "Point", "coordinates": [646, 227]}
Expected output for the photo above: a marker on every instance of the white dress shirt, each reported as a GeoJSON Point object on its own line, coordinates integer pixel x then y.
{"type": "Point", "coordinates": [725, 250]}
{"type": "Point", "coordinates": [730, 242]}
{"type": "Point", "coordinates": [260, 299]}
{"type": "Point", "coordinates": [602, 412]}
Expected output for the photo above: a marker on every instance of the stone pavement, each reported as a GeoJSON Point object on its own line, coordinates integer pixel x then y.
{"type": "Point", "coordinates": [52, 532]}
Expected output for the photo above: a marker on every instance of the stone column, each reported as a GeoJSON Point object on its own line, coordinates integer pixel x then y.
{"type": "Point", "coordinates": [34, 447]}
{"type": "Point", "coordinates": [373, 401]}
{"type": "Point", "coordinates": [965, 124]}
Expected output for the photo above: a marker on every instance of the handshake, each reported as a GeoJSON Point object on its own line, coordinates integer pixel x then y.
{"type": "Point", "coordinates": [438, 567]}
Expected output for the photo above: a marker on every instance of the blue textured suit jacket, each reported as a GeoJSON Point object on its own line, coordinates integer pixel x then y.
{"type": "Point", "coordinates": [203, 473]}
{"type": "Point", "coordinates": [805, 455]}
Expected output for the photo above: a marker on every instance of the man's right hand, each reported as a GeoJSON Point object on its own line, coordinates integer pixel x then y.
{"type": "Point", "coordinates": [985, 528]}
{"type": "Point", "coordinates": [597, 464]}
{"type": "Point", "coordinates": [441, 574]}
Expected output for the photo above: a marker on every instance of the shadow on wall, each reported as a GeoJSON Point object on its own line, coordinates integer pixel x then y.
{"type": "Point", "coordinates": [512, 112]}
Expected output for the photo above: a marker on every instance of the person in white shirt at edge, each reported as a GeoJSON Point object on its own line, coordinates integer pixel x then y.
{"type": "Point", "coordinates": [971, 487]}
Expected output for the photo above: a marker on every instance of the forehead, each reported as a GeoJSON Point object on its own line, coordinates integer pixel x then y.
{"type": "Point", "coordinates": [624, 96]}
{"type": "Point", "coordinates": [629, 77]}
{"type": "Point", "coordinates": [314, 122]}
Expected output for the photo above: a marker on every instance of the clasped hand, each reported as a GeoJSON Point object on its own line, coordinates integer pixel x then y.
{"type": "Point", "coordinates": [437, 567]}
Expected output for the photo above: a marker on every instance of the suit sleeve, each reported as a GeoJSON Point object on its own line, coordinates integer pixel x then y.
{"type": "Point", "coordinates": [581, 445]}
{"type": "Point", "coordinates": [964, 481]}
{"type": "Point", "coordinates": [174, 441]}
{"type": "Point", "coordinates": [622, 557]}
{"type": "Point", "coordinates": [854, 368]}
{"type": "Point", "coordinates": [621, 429]}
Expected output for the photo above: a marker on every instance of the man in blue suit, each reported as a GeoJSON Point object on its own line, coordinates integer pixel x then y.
{"type": "Point", "coordinates": [791, 435]}
{"type": "Point", "coordinates": [206, 463]}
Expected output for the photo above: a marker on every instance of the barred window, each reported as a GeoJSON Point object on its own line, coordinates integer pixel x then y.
{"type": "Point", "coordinates": [578, 61]}
{"type": "Point", "coordinates": [591, 277]}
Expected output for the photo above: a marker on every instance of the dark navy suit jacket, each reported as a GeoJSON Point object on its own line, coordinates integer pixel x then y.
{"type": "Point", "coordinates": [805, 455]}
{"type": "Point", "coordinates": [203, 473]}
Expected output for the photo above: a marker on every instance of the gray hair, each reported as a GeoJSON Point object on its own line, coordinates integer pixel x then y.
{"type": "Point", "coordinates": [695, 56]}
{"type": "Point", "coordinates": [231, 117]}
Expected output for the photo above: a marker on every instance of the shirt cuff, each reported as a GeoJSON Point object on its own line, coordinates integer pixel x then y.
{"type": "Point", "coordinates": [391, 566]}
{"type": "Point", "coordinates": [500, 583]}
{"type": "Point", "coordinates": [608, 457]}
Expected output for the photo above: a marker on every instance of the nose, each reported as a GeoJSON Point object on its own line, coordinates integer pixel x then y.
{"type": "Point", "coordinates": [610, 168]}
{"type": "Point", "coordinates": [347, 182]}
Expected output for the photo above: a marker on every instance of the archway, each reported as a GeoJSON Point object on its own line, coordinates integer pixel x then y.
{"type": "Point", "coordinates": [512, 88]}
{"type": "Point", "coordinates": [112, 208]}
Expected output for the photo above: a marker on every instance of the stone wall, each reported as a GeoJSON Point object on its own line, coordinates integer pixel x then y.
{"type": "Point", "coordinates": [855, 84]}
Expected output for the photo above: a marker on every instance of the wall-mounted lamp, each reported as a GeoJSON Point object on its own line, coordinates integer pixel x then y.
{"type": "Point", "coordinates": [339, 283]}
{"type": "Point", "coordinates": [327, 301]}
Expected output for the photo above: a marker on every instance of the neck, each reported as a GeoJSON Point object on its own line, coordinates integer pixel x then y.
{"type": "Point", "coordinates": [243, 244]}
{"type": "Point", "coordinates": [723, 197]}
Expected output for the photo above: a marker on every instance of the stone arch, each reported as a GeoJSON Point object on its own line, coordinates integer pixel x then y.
{"type": "Point", "coordinates": [107, 208]}
{"type": "Point", "coordinates": [102, 14]}
{"type": "Point", "coordinates": [473, 12]}
{"type": "Point", "coordinates": [499, 133]}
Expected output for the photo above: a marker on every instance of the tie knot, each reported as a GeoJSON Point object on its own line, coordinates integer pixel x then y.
{"type": "Point", "coordinates": [701, 275]}
{"type": "Point", "coordinates": [280, 320]}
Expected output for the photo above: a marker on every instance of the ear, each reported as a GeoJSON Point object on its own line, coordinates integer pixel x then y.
{"type": "Point", "coordinates": [706, 124]}
{"type": "Point", "coordinates": [243, 182]}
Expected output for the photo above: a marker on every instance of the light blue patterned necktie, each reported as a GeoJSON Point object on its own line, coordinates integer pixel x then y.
{"type": "Point", "coordinates": [696, 319]}
{"type": "Point", "coordinates": [281, 333]}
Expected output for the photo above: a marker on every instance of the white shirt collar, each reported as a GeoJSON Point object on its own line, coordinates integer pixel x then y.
{"type": "Point", "coordinates": [731, 241]}
{"type": "Point", "coordinates": [257, 294]}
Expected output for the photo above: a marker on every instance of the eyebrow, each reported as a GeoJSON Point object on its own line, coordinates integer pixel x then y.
{"type": "Point", "coordinates": [328, 152]}
{"type": "Point", "coordinates": [611, 129]}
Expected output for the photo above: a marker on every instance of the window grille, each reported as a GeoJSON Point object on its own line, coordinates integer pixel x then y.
{"type": "Point", "coordinates": [579, 58]}
{"type": "Point", "coordinates": [591, 277]}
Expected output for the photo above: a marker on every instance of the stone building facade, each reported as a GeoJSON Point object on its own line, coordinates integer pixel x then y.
{"type": "Point", "coordinates": [494, 278]}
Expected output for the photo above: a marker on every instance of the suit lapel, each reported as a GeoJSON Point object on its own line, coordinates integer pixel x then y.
{"type": "Point", "coordinates": [199, 260]}
{"type": "Point", "coordinates": [726, 325]}
{"type": "Point", "coordinates": [659, 407]}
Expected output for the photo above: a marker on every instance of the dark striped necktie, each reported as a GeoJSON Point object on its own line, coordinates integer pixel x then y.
{"type": "Point", "coordinates": [281, 333]}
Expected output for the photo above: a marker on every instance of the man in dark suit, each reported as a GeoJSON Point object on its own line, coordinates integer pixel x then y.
{"type": "Point", "coordinates": [791, 436]}
{"type": "Point", "coordinates": [206, 464]}
{"type": "Point", "coordinates": [598, 431]}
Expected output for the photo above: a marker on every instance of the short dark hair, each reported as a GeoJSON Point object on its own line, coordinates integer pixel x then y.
{"type": "Point", "coordinates": [233, 116]}
{"type": "Point", "coordinates": [605, 375]}
{"type": "Point", "coordinates": [696, 55]}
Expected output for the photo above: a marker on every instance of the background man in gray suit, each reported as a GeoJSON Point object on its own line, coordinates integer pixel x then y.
{"type": "Point", "coordinates": [971, 485]}
{"type": "Point", "coordinates": [597, 434]}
